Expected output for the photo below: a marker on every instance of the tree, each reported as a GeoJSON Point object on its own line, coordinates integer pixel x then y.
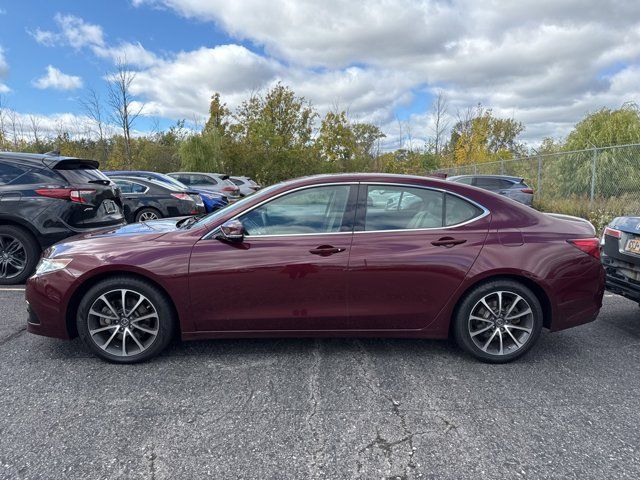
{"type": "Point", "coordinates": [92, 106]}
{"type": "Point", "coordinates": [367, 138]}
{"type": "Point", "coordinates": [125, 110]}
{"type": "Point", "coordinates": [218, 115]}
{"type": "Point", "coordinates": [606, 127]}
{"type": "Point", "coordinates": [336, 142]}
{"type": "Point", "coordinates": [440, 121]}
{"type": "Point", "coordinates": [479, 137]}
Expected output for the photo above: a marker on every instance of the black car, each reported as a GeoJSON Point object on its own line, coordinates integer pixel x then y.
{"type": "Point", "coordinates": [45, 198]}
{"type": "Point", "coordinates": [621, 256]}
{"type": "Point", "coordinates": [147, 199]}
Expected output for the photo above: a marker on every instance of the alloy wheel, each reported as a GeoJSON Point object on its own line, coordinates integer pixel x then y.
{"type": "Point", "coordinates": [123, 322]}
{"type": "Point", "coordinates": [13, 257]}
{"type": "Point", "coordinates": [501, 323]}
{"type": "Point", "coordinates": [146, 216]}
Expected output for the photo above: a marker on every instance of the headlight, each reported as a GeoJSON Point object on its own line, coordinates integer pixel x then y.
{"type": "Point", "coordinates": [48, 265]}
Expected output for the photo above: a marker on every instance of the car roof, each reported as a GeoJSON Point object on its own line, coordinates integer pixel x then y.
{"type": "Point", "coordinates": [499, 177]}
{"type": "Point", "coordinates": [49, 159]}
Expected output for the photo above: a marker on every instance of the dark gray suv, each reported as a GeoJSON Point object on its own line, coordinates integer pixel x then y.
{"type": "Point", "coordinates": [512, 187]}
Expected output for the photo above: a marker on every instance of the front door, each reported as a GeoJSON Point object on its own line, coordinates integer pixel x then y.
{"type": "Point", "coordinates": [412, 248]}
{"type": "Point", "coordinates": [289, 273]}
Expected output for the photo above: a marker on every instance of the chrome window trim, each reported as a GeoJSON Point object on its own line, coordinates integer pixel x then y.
{"type": "Point", "coordinates": [484, 213]}
{"type": "Point", "coordinates": [304, 187]}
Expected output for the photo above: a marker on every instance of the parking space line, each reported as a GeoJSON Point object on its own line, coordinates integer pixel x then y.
{"type": "Point", "coordinates": [11, 289]}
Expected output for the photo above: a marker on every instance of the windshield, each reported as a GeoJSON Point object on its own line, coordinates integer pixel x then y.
{"type": "Point", "coordinates": [236, 207]}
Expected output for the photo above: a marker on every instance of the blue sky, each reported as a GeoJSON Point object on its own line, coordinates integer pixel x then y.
{"type": "Point", "coordinates": [545, 63]}
{"type": "Point", "coordinates": [159, 30]}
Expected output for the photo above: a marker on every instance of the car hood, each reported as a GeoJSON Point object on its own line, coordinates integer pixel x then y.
{"type": "Point", "coordinates": [132, 233]}
{"type": "Point", "coordinates": [626, 224]}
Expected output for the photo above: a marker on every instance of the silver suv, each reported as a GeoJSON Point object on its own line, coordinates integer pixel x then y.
{"type": "Point", "coordinates": [210, 181]}
{"type": "Point", "coordinates": [512, 187]}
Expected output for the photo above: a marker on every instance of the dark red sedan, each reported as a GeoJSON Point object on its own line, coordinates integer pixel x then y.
{"type": "Point", "coordinates": [331, 255]}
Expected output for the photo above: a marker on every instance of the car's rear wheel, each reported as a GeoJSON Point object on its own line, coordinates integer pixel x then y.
{"type": "Point", "coordinates": [125, 320]}
{"type": "Point", "coordinates": [146, 214]}
{"type": "Point", "coordinates": [19, 254]}
{"type": "Point", "coordinates": [498, 321]}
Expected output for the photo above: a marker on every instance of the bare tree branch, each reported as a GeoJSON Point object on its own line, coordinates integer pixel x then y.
{"type": "Point", "coordinates": [121, 101]}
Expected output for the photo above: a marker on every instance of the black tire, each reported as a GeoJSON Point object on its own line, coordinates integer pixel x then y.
{"type": "Point", "coordinates": [166, 320]}
{"type": "Point", "coordinates": [147, 211]}
{"type": "Point", "coordinates": [31, 251]}
{"type": "Point", "coordinates": [461, 321]}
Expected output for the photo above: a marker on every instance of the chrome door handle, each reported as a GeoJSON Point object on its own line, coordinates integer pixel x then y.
{"type": "Point", "coordinates": [326, 250]}
{"type": "Point", "coordinates": [447, 242]}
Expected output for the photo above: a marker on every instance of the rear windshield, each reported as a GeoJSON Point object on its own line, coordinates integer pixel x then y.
{"type": "Point", "coordinates": [178, 187]}
{"type": "Point", "coordinates": [81, 174]}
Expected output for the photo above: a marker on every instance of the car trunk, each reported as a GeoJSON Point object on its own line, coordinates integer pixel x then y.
{"type": "Point", "coordinates": [623, 246]}
{"type": "Point", "coordinates": [94, 200]}
{"type": "Point", "coordinates": [576, 226]}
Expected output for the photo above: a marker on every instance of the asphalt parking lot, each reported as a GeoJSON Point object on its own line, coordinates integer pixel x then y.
{"type": "Point", "coordinates": [331, 408]}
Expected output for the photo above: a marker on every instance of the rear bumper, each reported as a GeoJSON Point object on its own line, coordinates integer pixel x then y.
{"type": "Point", "coordinates": [623, 275]}
{"type": "Point", "coordinates": [579, 299]}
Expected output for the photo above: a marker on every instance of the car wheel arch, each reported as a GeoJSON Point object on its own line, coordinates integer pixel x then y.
{"type": "Point", "coordinates": [531, 284]}
{"type": "Point", "coordinates": [23, 225]}
{"type": "Point", "coordinates": [85, 286]}
{"type": "Point", "coordinates": [147, 207]}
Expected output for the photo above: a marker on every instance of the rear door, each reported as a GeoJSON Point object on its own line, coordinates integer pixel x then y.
{"type": "Point", "coordinates": [97, 202]}
{"type": "Point", "coordinates": [412, 248]}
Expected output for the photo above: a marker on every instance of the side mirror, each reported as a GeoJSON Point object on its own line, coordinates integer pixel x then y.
{"type": "Point", "coordinates": [231, 231]}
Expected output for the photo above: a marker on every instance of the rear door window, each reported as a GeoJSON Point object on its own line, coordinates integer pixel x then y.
{"type": "Point", "coordinates": [9, 173]}
{"type": "Point", "coordinates": [402, 208]}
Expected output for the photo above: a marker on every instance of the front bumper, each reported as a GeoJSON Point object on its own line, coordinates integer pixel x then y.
{"type": "Point", "coordinates": [47, 304]}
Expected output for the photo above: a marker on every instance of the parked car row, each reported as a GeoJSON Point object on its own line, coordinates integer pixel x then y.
{"type": "Point", "coordinates": [45, 198]}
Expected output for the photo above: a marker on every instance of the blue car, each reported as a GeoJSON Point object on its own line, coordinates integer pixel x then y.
{"type": "Point", "coordinates": [212, 200]}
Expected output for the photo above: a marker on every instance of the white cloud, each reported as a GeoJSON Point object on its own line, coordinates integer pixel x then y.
{"type": "Point", "coordinates": [73, 31]}
{"type": "Point", "coordinates": [544, 62]}
{"type": "Point", "coordinates": [55, 79]}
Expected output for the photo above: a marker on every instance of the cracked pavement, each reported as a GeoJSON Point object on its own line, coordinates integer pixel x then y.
{"type": "Point", "coordinates": [323, 408]}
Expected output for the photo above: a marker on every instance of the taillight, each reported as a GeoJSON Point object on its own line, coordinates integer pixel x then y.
{"type": "Point", "coordinates": [527, 190]}
{"type": "Point", "coordinates": [65, 194]}
{"type": "Point", "coordinates": [590, 246]}
{"type": "Point", "coordinates": [612, 232]}
{"type": "Point", "coordinates": [229, 189]}
{"type": "Point", "coordinates": [182, 196]}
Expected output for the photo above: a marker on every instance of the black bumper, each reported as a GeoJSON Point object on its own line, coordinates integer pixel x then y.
{"type": "Point", "coordinates": [617, 283]}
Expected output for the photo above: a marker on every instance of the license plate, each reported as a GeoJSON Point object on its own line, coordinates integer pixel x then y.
{"type": "Point", "coordinates": [633, 246]}
{"type": "Point", "coordinates": [110, 207]}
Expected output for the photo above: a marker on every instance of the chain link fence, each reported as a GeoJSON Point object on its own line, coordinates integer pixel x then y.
{"type": "Point", "coordinates": [598, 183]}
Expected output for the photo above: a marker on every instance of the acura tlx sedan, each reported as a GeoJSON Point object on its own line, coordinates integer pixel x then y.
{"type": "Point", "coordinates": [332, 255]}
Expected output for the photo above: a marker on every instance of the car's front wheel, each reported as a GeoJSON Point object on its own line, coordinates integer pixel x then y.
{"type": "Point", "coordinates": [498, 321]}
{"type": "Point", "coordinates": [125, 320]}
